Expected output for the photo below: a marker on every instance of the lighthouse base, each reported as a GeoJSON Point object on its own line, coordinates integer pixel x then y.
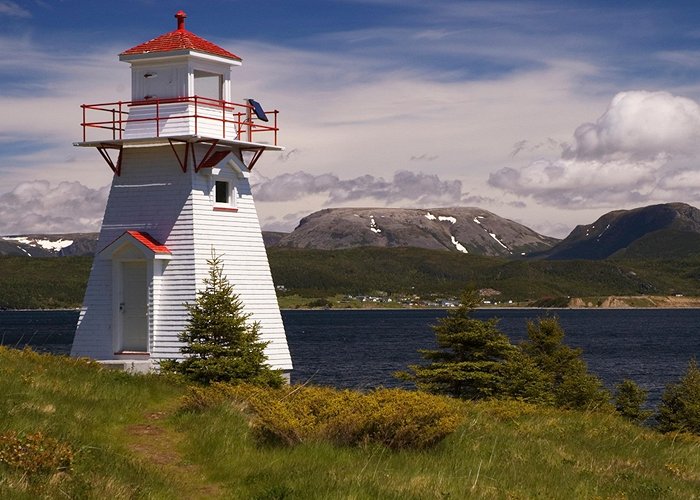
{"type": "Point", "coordinates": [128, 365]}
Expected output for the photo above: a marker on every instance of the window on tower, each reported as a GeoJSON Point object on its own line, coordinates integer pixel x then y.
{"type": "Point", "coordinates": [222, 192]}
{"type": "Point", "coordinates": [223, 195]}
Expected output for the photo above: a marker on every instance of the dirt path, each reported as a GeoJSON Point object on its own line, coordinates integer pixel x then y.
{"type": "Point", "coordinates": [158, 445]}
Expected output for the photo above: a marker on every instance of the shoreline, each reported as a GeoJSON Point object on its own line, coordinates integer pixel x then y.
{"type": "Point", "coordinates": [611, 302]}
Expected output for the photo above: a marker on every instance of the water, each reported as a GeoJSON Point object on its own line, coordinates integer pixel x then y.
{"type": "Point", "coordinates": [362, 349]}
{"type": "Point", "coordinates": [44, 331]}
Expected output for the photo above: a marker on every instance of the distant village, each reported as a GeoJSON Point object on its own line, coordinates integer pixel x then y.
{"type": "Point", "coordinates": [381, 299]}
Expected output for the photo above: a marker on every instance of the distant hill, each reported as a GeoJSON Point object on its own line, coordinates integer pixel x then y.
{"type": "Point", "coordinates": [49, 245]}
{"type": "Point", "coordinates": [272, 238]}
{"type": "Point", "coordinates": [457, 229]}
{"type": "Point", "coordinates": [670, 230]}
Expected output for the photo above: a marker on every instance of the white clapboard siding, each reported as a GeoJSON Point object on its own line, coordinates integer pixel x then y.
{"type": "Point", "coordinates": [177, 209]}
{"type": "Point", "coordinates": [179, 119]}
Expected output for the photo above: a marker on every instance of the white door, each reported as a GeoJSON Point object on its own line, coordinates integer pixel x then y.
{"type": "Point", "coordinates": [134, 307]}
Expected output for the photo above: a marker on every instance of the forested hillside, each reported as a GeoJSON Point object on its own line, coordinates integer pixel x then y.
{"type": "Point", "coordinates": [60, 282]}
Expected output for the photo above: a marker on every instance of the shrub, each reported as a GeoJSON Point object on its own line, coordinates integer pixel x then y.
{"type": "Point", "coordinates": [324, 303]}
{"type": "Point", "coordinates": [629, 398]}
{"type": "Point", "coordinates": [221, 345]}
{"type": "Point", "coordinates": [680, 403]}
{"type": "Point", "coordinates": [394, 418]}
{"type": "Point", "coordinates": [34, 453]}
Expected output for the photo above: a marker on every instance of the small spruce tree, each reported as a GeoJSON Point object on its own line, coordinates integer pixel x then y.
{"type": "Point", "coordinates": [470, 360]}
{"type": "Point", "coordinates": [221, 345]}
{"type": "Point", "coordinates": [629, 398]}
{"type": "Point", "coordinates": [680, 403]}
{"type": "Point", "coordinates": [563, 376]}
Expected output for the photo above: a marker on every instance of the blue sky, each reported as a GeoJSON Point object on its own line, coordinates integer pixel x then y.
{"type": "Point", "coordinates": [549, 113]}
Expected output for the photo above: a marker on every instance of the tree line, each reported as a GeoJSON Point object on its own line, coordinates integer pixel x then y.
{"type": "Point", "coordinates": [475, 360]}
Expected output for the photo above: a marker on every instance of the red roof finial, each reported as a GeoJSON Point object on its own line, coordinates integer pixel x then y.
{"type": "Point", "coordinates": [180, 15]}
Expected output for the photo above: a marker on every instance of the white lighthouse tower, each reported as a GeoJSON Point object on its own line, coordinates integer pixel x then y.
{"type": "Point", "coordinates": [181, 153]}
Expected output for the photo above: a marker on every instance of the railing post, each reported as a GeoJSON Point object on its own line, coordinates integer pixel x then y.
{"type": "Point", "coordinates": [276, 128]}
{"type": "Point", "coordinates": [83, 124]}
{"type": "Point", "coordinates": [114, 124]}
{"type": "Point", "coordinates": [196, 117]}
{"type": "Point", "coordinates": [157, 117]}
{"type": "Point", "coordinates": [249, 121]}
{"type": "Point", "coordinates": [120, 120]}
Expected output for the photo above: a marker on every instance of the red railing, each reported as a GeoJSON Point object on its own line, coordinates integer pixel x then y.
{"type": "Point", "coordinates": [237, 118]}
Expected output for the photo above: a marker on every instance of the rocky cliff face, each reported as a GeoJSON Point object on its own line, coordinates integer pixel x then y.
{"type": "Point", "coordinates": [648, 231]}
{"type": "Point", "coordinates": [49, 245]}
{"type": "Point", "coordinates": [457, 229]}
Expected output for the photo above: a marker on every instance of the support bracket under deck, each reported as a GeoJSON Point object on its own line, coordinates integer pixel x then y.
{"type": "Point", "coordinates": [116, 167]}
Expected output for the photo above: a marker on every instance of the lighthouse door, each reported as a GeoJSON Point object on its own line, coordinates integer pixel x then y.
{"type": "Point", "coordinates": [133, 307]}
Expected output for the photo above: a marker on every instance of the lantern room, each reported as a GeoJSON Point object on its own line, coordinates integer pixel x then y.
{"type": "Point", "coordinates": [180, 64]}
{"type": "Point", "coordinates": [180, 92]}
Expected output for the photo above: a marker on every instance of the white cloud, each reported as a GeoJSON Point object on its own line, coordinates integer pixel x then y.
{"type": "Point", "coordinates": [416, 189]}
{"type": "Point", "coordinates": [13, 10]}
{"type": "Point", "coordinates": [641, 125]}
{"type": "Point", "coordinates": [39, 207]}
{"type": "Point", "coordinates": [640, 150]}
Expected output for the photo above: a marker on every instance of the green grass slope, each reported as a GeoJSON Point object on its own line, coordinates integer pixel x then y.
{"type": "Point", "coordinates": [130, 441]}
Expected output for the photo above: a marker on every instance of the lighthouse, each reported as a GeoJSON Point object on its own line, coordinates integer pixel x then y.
{"type": "Point", "coordinates": [181, 152]}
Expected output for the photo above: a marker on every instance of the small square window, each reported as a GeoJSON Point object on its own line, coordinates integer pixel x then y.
{"type": "Point", "coordinates": [222, 192]}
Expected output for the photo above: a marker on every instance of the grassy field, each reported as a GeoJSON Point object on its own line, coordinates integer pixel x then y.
{"type": "Point", "coordinates": [130, 440]}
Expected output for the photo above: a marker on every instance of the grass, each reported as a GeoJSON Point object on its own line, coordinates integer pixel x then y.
{"type": "Point", "coordinates": [130, 441]}
{"type": "Point", "coordinates": [80, 404]}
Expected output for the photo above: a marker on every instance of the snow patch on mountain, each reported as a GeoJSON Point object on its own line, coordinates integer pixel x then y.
{"type": "Point", "coordinates": [54, 245]}
{"type": "Point", "coordinates": [458, 245]}
{"type": "Point", "coordinates": [493, 235]}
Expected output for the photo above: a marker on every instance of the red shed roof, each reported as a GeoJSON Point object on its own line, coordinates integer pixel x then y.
{"type": "Point", "coordinates": [180, 39]}
{"type": "Point", "coordinates": [149, 241]}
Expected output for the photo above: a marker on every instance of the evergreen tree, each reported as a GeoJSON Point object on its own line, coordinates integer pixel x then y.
{"type": "Point", "coordinates": [562, 375]}
{"type": "Point", "coordinates": [470, 360]}
{"type": "Point", "coordinates": [221, 345]}
{"type": "Point", "coordinates": [629, 398]}
{"type": "Point", "coordinates": [680, 403]}
{"type": "Point", "coordinates": [524, 380]}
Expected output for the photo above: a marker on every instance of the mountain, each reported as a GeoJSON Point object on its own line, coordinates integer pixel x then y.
{"type": "Point", "coordinates": [458, 229]}
{"type": "Point", "coordinates": [49, 245]}
{"type": "Point", "coordinates": [669, 230]}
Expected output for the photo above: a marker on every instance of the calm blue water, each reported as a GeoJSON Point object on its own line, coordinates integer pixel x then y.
{"type": "Point", "coordinates": [362, 349]}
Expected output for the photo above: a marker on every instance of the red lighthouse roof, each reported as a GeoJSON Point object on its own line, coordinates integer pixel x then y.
{"type": "Point", "coordinates": [179, 39]}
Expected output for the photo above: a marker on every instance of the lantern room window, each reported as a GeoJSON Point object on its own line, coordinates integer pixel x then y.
{"type": "Point", "coordinates": [208, 85]}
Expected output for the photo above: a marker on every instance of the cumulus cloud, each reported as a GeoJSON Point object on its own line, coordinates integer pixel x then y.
{"type": "Point", "coordinates": [640, 125]}
{"type": "Point", "coordinates": [39, 207]}
{"type": "Point", "coordinates": [414, 188]}
{"type": "Point", "coordinates": [639, 150]}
